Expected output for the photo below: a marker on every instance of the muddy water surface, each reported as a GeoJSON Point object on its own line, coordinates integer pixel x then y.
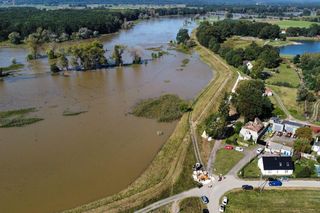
{"type": "Point", "coordinates": [63, 162]}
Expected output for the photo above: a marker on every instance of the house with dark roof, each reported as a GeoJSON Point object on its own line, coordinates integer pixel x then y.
{"type": "Point", "coordinates": [276, 165]}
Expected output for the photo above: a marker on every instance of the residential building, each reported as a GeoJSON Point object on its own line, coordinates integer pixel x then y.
{"type": "Point", "coordinates": [276, 166]}
{"type": "Point", "coordinates": [248, 64]}
{"type": "Point", "coordinates": [316, 147]}
{"type": "Point", "coordinates": [268, 92]}
{"type": "Point", "coordinates": [280, 149]}
{"type": "Point", "coordinates": [291, 126]}
{"type": "Point", "coordinates": [252, 130]}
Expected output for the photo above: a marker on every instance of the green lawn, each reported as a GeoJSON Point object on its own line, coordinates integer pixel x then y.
{"type": "Point", "coordinates": [288, 97]}
{"type": "Point", "coordinates": [285, 74]}
{"type": "Point", "coordinates": [191, 205]}
{"type": "Point", "coordinates": [283, 201]}
{"type": "Point", "coordinates": [251, 170]}
{"type": "Point", "coordinates": [284, 24]}
{"type": "Point", "coordinates": [241, 42]}
{"type": "Point", "coordinates": [226, 160]}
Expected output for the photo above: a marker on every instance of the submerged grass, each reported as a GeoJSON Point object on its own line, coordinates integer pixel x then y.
{"type": "Point", "coordinates": [185, 62]}
{"type": "Point", "coordinates": [166, 108]}
{"type": "Point", "coordinates": [71, 113]}
{"type": "Point", "coordinates": [17, 118]}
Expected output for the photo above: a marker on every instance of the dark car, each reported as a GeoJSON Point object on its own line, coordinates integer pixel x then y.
{"type": "Point", "coordinates": [275, 183]}
{"type": "Point", "coordinates": [247, 187]}
{"type": "Point", "coordinates": [204, 199]}
{"type": "Point", "coordinates": [205, 211]}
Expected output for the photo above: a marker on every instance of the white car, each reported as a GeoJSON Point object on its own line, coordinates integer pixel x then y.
{"type": "Point", "coordinates": [239, 149]}
{"type": "Point", "coordinates": [221, 208]}
{"type": "Point", "coordinates": [259, 150]}
{"type": "Point", "coordinates": [225, 200]}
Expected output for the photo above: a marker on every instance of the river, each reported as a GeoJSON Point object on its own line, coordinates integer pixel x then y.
{"type": "Point", "coordinates": [62, 162]}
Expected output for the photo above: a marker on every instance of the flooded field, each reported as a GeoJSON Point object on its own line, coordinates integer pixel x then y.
{"type": "Point", "coordinates": [65, 161]}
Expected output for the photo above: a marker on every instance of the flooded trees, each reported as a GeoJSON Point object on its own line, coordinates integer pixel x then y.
{"type": "Point", "coordinates": [88, 56]}
{"type": "Point", "coordinates": [117, 54]}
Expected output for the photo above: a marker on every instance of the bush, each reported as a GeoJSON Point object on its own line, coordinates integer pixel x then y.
{"type": "Point", "coordinates": [318, 159]}
{"type": "Point", "coordinates": [54, 68]}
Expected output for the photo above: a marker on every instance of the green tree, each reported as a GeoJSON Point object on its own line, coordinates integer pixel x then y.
{"type": "Point", "coordinates": [250, 102]}
{"type": "Point", "coordinates": [257, 69]}
{"type": "Point", "coordinates": [304, 133]}
{"type": "Point", "coordinates": [296, 59]}
{"type": "Point", "coordinates": [117, 54]}
{"type": "Point", "coordinates": [302, 145]}
{"type": "Point", "coordinates": [182, 36]}
{"type": "Point", "coordinates": [215, 126]}
{"type": "Point", "coordinates": [224, 107]}
{"type": "Point", "coordinates": [14, 38]}
{"type": "Point", "coordinates": [302, 93]}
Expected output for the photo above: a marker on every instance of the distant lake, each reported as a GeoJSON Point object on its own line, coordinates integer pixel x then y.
{"type": "Point", "coordinates": [303, 47]}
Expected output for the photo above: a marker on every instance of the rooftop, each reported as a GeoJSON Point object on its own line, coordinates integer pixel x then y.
{"type": "Point", "coordinates": [278, 146]}
{"type": "Point", "coordinates": [277, 163]}
{"type": "Point", "coordinates": [256, 125]}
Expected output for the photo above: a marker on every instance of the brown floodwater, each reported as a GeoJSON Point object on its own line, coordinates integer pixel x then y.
{"type": "Point", "coordinates": [62, 162]}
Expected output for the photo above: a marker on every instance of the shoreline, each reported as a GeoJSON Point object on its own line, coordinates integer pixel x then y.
{"type": "Point", "coordinates": [166, 168]}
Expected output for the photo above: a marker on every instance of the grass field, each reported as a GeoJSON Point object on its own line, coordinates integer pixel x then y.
{"type": "Point", "coordinates": [288, 97]}
{"type": "Point", "coordinates": [283, 201]}
{"type": "Point", "coordinates": [226, 160]}
{"type": "Point", "coordinates": [191, 205]}
{"type": "Point", "coordinates": [285, 74]}
{"type": "Point", "coordinates": [251, 170]}
{"type": "Point", "coordinates": [284, 24]}
{"type": "Point", "coordinates": [241, 42]}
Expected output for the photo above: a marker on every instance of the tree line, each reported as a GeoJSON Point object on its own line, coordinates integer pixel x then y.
{"type": "Point", "coordinates": [312, 31]}
{"type": "Point", "coordinates": [212, 36]}
{"type": "Point", "coordinates": [67, 24]}
{"type": "Point", "coordinates": [88, 56]}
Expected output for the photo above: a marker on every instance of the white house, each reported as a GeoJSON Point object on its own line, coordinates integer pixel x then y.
{"type": "Point", "coordinates": [249, 65]}
{"type": "Point", "coordinates": [252, 130]}
{"type": "Point", "coordinates": [268, 92]}
{"type": "Point", "coordinates": [316, 147]}
{"type": "Point", "coordinates": [280, 149]}
{"type": "Point", "coordinates": [276, 166]}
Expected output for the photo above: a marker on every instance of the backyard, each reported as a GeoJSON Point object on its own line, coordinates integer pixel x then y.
{"type": "Point", "coordinates": [286, 74]}
{"type": "Point", "coordinates": [282, 201]}
{"type": "Point", "coordinates": [226, 160]}
{"type": "Point", "coordinates": [251, 170]}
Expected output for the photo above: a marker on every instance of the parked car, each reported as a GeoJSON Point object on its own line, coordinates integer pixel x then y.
{"type": "Point", "coordinates": [239, 149]}
{"type": "Point", "coordinates": [259, 150]}
{"type": "Point", "coordinates": [204, 199]}
{"type": "Point", "coordinates": [221, 208]}
{"type": "Point", "coordinates": [205, 211]}
{"type": "Point", "coordinates": [225, 200]}
{"type": "Point", "coordinates": [279, 134]}
{"type": "Point", "coordinates": [228, 147]}
{"type": "Point", "coordinates": [275, 183]}
{"type": "Point", "coordinates": [247, 187]}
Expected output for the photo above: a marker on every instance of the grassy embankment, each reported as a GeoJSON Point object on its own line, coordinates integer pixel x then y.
{"type": "Point", "coordinates": [17, 118]}
{"type": "Point", "coordinates": [170, 168]}
{"type": "Point", "coordinates": [226, 160]}
{"type": "Point", "coordinates": [274, 201]}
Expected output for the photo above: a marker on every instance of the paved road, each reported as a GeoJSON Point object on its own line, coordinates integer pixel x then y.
{"type": "Point", "coordinates": [230, 182]}
{"type": "Point", "coordinates": [212, 157]}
